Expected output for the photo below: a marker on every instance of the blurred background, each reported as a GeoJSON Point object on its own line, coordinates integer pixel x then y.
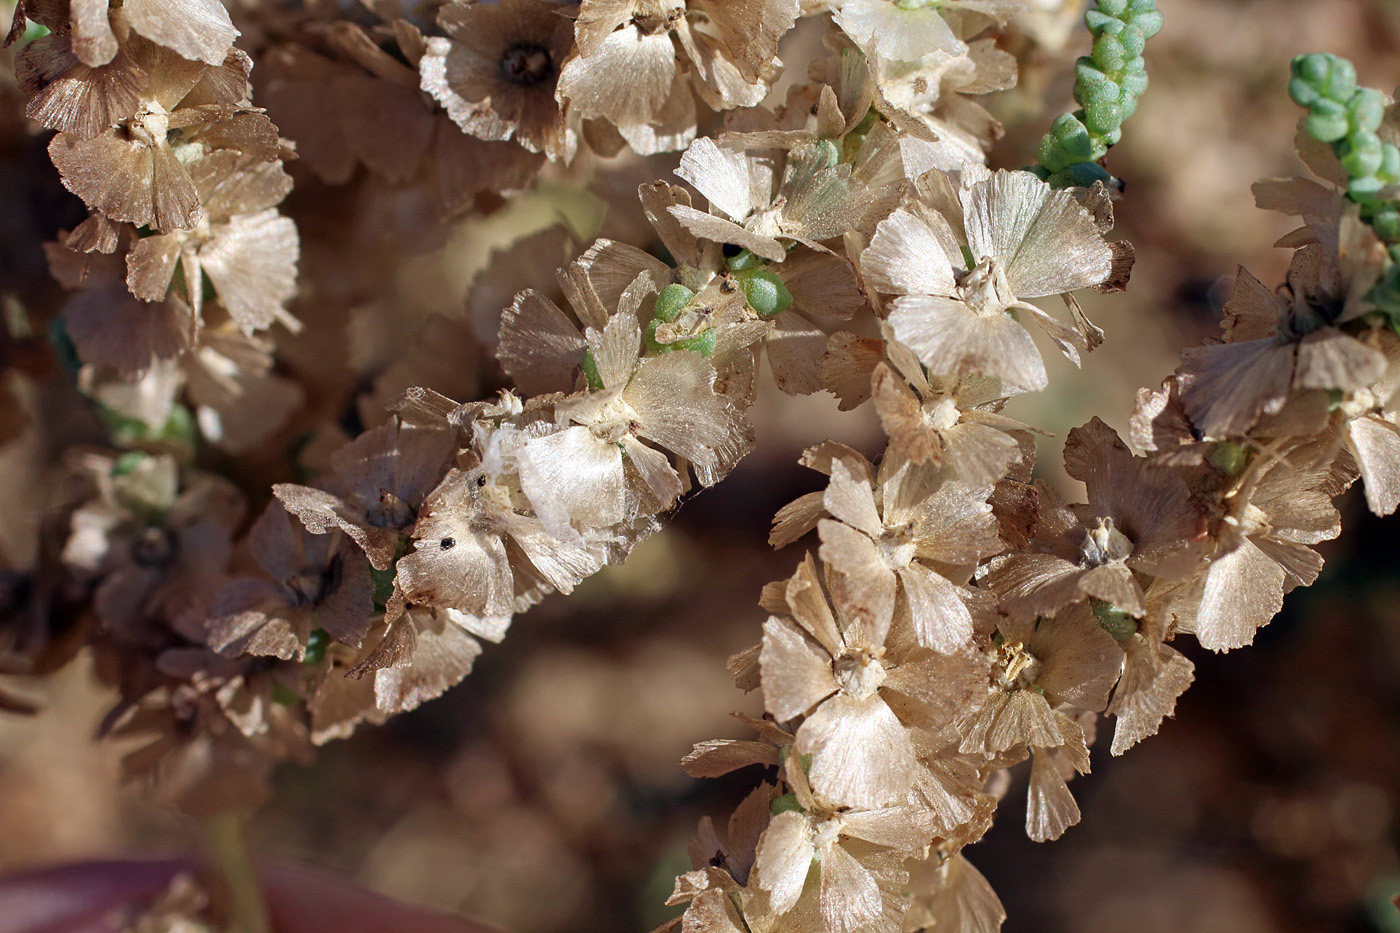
{"type": "Point", "coordinates": [544, 794]}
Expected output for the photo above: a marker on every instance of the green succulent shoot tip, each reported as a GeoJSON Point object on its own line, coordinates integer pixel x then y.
{"type": "Point", "coordinates": [1107, 85]}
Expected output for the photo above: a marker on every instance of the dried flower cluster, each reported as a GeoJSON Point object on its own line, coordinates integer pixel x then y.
{"type": "Point", "coordinates": [959, 620]}
{"type": "Point", "coordinates": [956, 619]}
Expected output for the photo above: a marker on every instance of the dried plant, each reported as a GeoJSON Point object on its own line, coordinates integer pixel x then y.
{"type": "Point", "coordinates": [954, 618]}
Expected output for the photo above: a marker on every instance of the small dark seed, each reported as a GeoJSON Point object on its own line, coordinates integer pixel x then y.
{"type": "Point", "coordinates": [447, 544]}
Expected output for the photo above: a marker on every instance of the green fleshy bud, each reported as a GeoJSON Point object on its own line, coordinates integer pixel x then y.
{"type": "Point", "coordinates": [127, 463]}
{"type": "Point", "coordinates": [1112, 27]}
{"type": "Point", "coordinates": [1360, 154]}
{"type": "Point", "coordinates": [673, 299]}
{"type": "Point", "coordinates": [63, 346]}
{"type": "Point", "coordinates": [179, 430]}
{"type": "Point", "coordinates": [590, 371]}
{"type": "Point", "coordinates": [1133, 41]}
{"type": "Point", "coordinates": [1364, 189]}
{"type": "Point", "coordinates": [1327, 127]}
{"type": "Point", "coordinates": [316, 644]}
{"type": "Point", "coordinates": [784, 803]}
{"type": "Point", "coordinates": [1340, 82]}
{"type": "Point", "coordinates": [1311, 69]}
{"type": "Point", "coordinates": [1303, 93]}
{"type": "Point", "coordinates": [765, 293]}
{"type": "Point", "coordinates": [1107, 85]}
{"type": "Point", "coordinates": [1366, 110]}
{"type": "Point", "coordinates": [1229, 457]}
{"type": "Point", "coordinates": [742, 261]}
{"type": "Point", "coordinates": [1109, 53]}
{"type": "Point", "coordinates": [1121, 625]}
{"type": "Point", "coordinates": [649, 338]}
{"type": "Point", "coordinates": [1389, 171]}
{"type": "Point", "coordinates": [1094, 21]}
{"type": "Point", "coordinates": [832, 152]}
{"type": "Point", "coordinates": [1134, 84]}
{"type": "Point", "coordinates": [1148, 21]}
{"type": "Point", "coordinates": [1073, 137]}
{"type": "Point", "coordinates": [1080, 175]}
{"type": "Point", "coordinates": [1104, 115]}
{"type": "Point", "coordinates": [703, 343]}
{"type": "Point", "coordinates": [1386, 223]}
{"type": "Point", "coordinates": [1051, 155]}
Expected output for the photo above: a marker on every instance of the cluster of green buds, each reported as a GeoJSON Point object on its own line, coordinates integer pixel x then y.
{"type": "Point", "coordinates": [1349, 118]}
{"type": "Point", "coordinates": [763, 290]}
{"type": "Point", "coordinates": [1107, 83]}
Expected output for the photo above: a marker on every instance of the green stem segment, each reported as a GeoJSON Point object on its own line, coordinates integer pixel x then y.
{"type": "Point", "coordinates": [1107, 84]}
{"type": "Point", "coordinates": [227, 853]}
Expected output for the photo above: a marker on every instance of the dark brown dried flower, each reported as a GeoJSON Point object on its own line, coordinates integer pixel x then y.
{"type": "Point", "coordinates": [497, 73]}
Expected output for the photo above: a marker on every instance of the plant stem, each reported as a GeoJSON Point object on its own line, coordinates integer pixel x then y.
{"type": "Point", "coordinates": [226, 850]}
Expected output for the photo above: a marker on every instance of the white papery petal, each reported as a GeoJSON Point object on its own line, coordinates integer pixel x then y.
{"type": "Point", "coordinates": [673, 395]}
{"type": "Point", "coordinates": [1375, 444]}
{"type": "Point", "coordinates": [861, 754]}
{"type": "Point", "coordinates": [626, 80]}
{"type": "Point", "coordinates": [253, 265]}
{"type": "Point", "coordinates": [564, 564]}
{"type": "Point", "coordinates": [848, 497]}
{"type": "Point", "coordinates": [850, 896]}
{"type": "Point", "coordinates": [710, 227]}
{"type": "Point", "coordinates": [1243, 591]}
{"type": "Point", "coordinates": [616, 349]}
{"type": "Point", "coordinates": [540, 348]}
{"type": "Point", "coordinates": [573, 476]}
{"type": "Point", "coordinates": [1044, 239]}
{"type": "Point", "coordinates": [953, 340]}
{"type": "Point", "coordinates": [909, 255]}
{"type": "Point", "coordinates": [722, 176]}
{"type": "Point", "coordinates": [941, 619]}
{"type": "Point", "coordinates": [882, 27]}
{"type": "Point", "coordinates": [655, 469]}
{"type": "Point", "coordinates": [784, 858]}
{"type": "Point", "coordinates": [1050, 807]}
{"type": "Point", "coordinates": [796, 672]}
{"type": "Point", "coordinates": [1147, 693]}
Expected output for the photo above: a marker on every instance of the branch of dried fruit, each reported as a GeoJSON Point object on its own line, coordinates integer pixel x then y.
{"type": "Point", "coordinates": [969, 621]}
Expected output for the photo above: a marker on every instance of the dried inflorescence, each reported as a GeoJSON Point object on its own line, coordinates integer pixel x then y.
{"type": "Point", "coordinates": [957, 618]}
